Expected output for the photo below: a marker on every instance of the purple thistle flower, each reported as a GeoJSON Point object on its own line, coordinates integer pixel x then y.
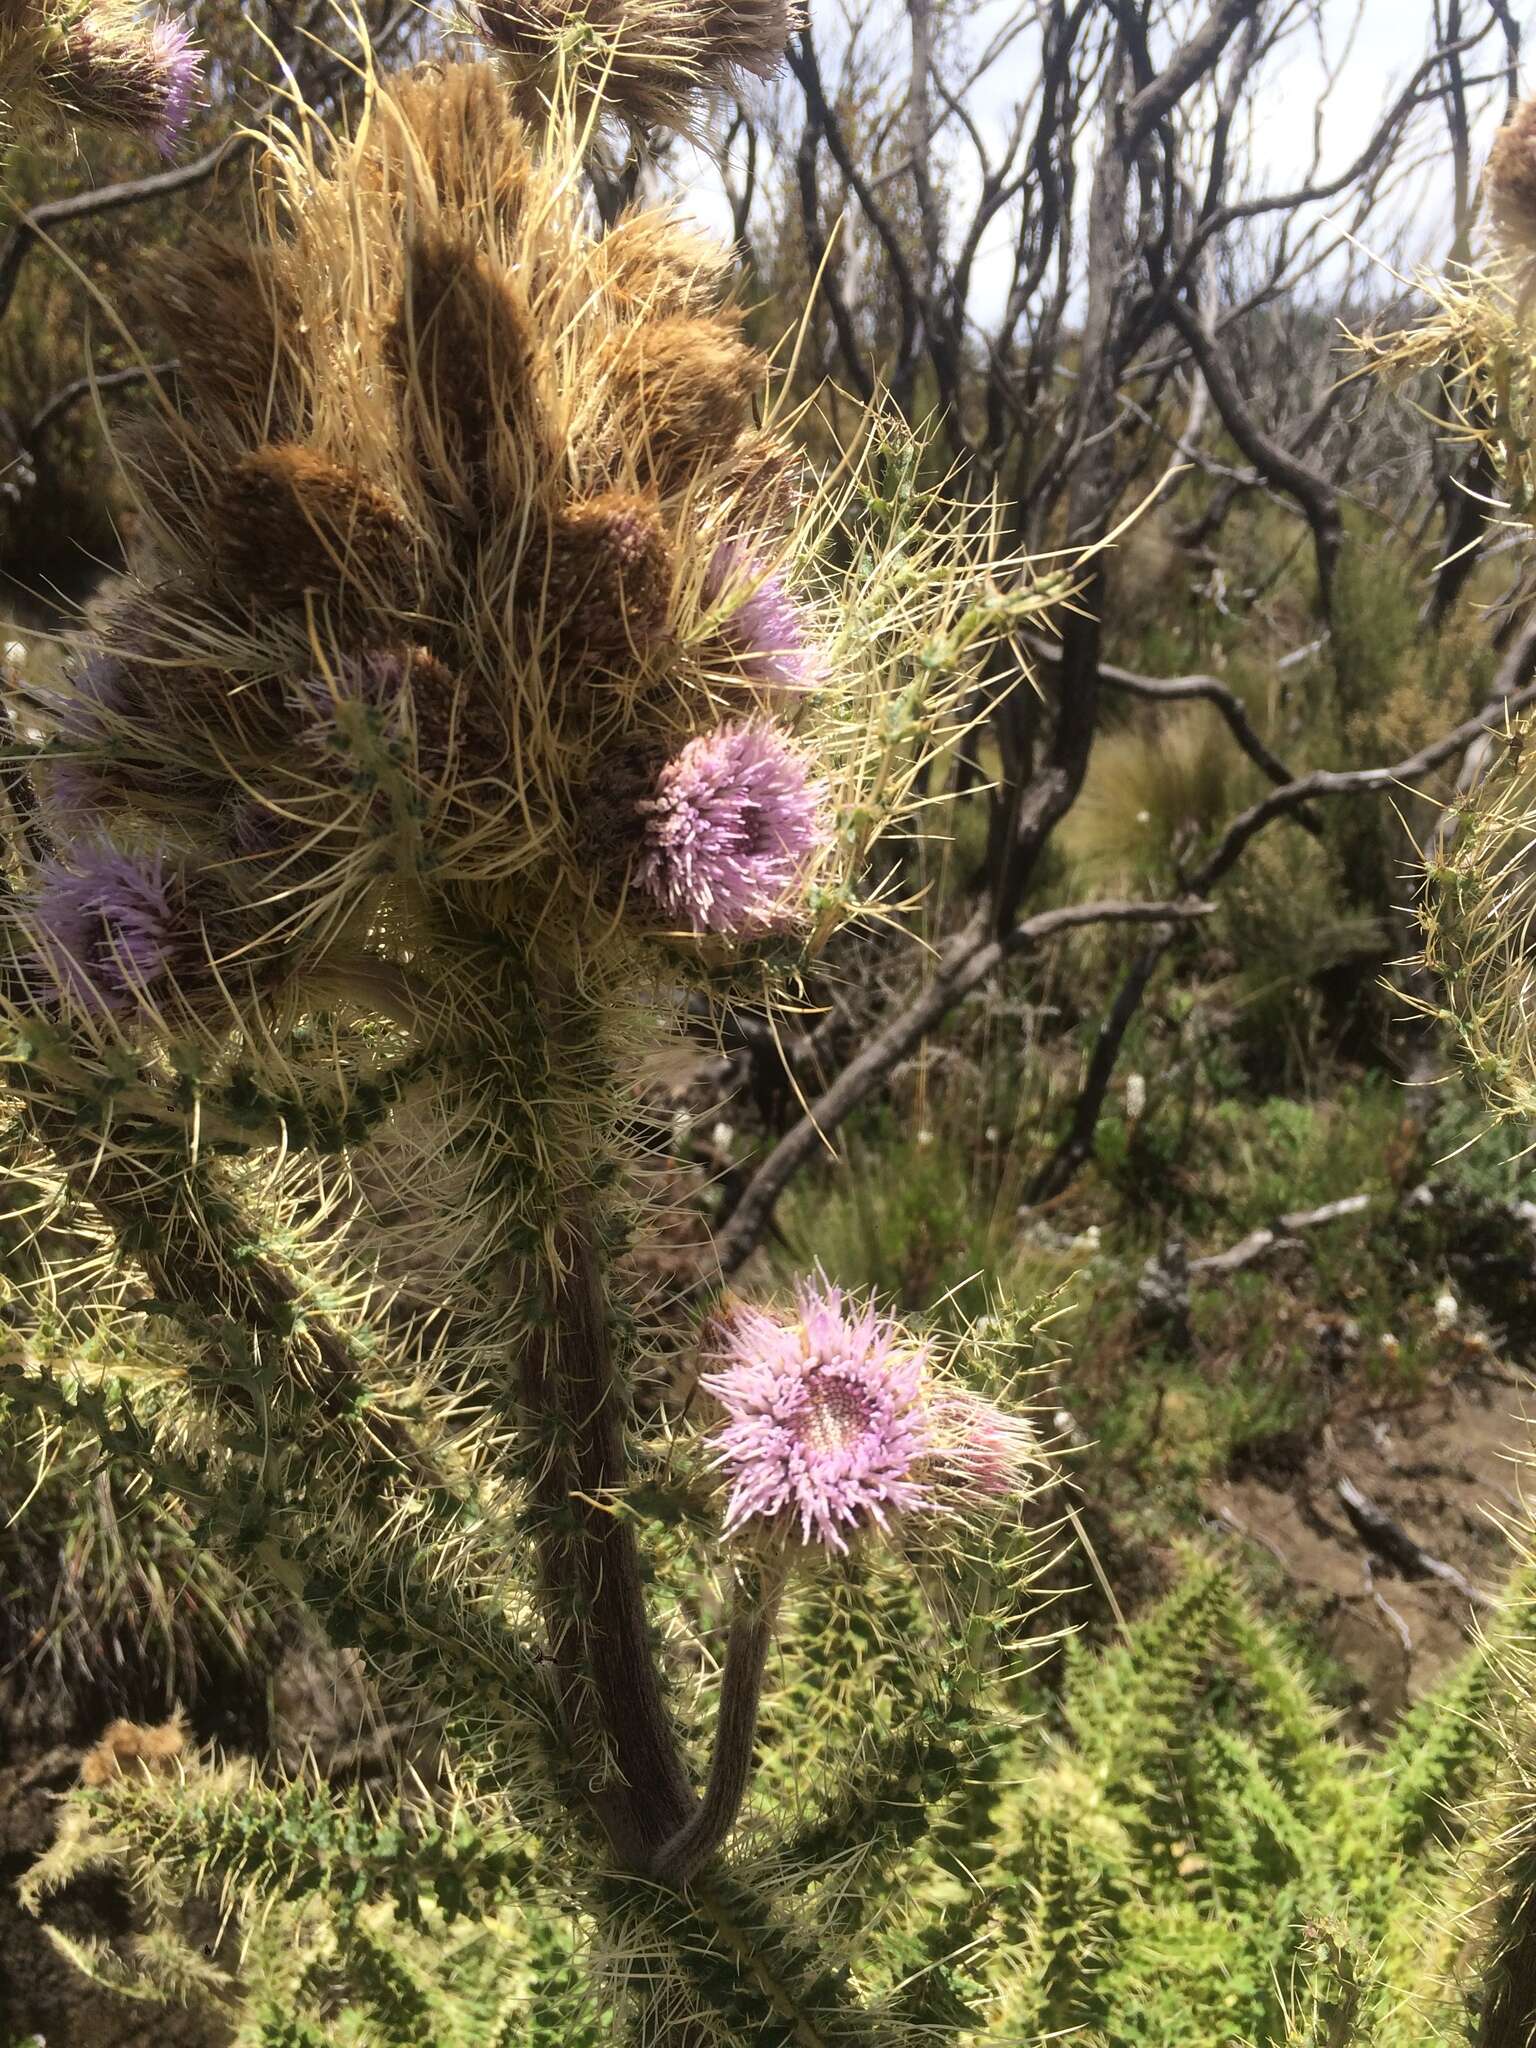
{"type": "Point", "coordinates": [179, 67]}
{"type": "Point", "coordinates": [110, 927]}
{"type": "Point", "coordinates": [99, 693]}
{"type": "Point", "coordinates": [123, 75]}
{"type": "Point", "coordinates": [827, 1423]}
{"type": "Point", "coordinates": [766, 629]}
{"type": "Point", "coordinates": [734, 825]}
{"type": "Point", "coordinates": [76, 796]}
{"type": "Point", "coordinates": [74, 787]}
{"type": "Point", "coordinates": [88, 715]}
{"type": "Point", "coordinates": [110, 731]}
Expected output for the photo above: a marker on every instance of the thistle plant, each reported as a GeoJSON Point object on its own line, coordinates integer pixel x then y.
{"type": "Point", "coordinates": [1478, 939]}
{"type": "Point", "coordinates": [644, 62]}
{"type": "Point", "coordinates": [1477, 899]}
{"type": "Point", "coordinates": [489, 670]}
{"type": "Point", "coordinates": [101, 64]}
{"type": "Point", "coordinates": [1476, 916]}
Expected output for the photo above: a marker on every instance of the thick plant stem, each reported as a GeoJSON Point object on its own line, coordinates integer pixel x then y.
{"type": "Point", "coordinates": [600, 1636]}
{"type": "Point", "coordinates": [741, 1690]}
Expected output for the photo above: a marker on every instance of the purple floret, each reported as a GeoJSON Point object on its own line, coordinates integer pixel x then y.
{"type": "Point", "coordinates": [178, 66]}
{"type": "Point", "coordinates": [76, 788]}
{"type": "Point", "coordinates": [110, 927]}
{"type": "Point", "coordinates": [125, 74]}
{"type": "Point", "coordinates": [734, 827]}
{"type": "Point", "coordinates": [766, 630]}
{"type": "Point", "coordinates": [827, 1427]}
{"type": "Point", "coordinates": [981, 1448]}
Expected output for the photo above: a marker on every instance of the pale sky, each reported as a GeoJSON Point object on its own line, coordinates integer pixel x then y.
{"type": "Point", "coordinates": [1391, 37]}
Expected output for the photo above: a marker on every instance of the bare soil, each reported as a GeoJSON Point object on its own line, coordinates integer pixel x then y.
{"type": "Point", "coordinates": [1449, 1474]}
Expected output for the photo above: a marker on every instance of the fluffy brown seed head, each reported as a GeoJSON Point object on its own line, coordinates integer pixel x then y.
{"type": "Point", "coordinates": [459, 729]}
{"type": "Point", "coordinates": [221, 309]}
{"type": "Point", "coordinates": [765, 480]}
{"type": "Point", "coordinates": [646, 61]}
{"type": "Point", "coordinates": [447, 127]}
{"type": "Point", "coordinates": [750, 36]}
{"type": "Point", "coordinates": [290, 522]}
{"type": "Point", "coordinates": [462, 349]}
{"type": "Point", "coordinates": [613, 815]}
{"type": "Point", "coordinates": [222, 306]}
{"type": "Point", "coordinates": [654, 265]}
{"type": "Point", "coordinates": [1510, 180]}
{"type": "Point", "coordinates": [642, 60]}
{"type": "Point", "coordinates": [605, 581]}
{"type": "Point", "coordinates": [681, 394]}
{"type": "Point", "coordinates": [528, 28]}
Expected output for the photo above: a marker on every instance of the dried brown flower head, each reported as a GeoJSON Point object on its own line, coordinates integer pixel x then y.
{"type": "Point", "coordinates": [221, 305]}
{"type": "Point", "coordinates": [607, 578]}
{"type": "Point", "coordinates": [126, 1745]}
{"type": "Point", "coordinates": [293, 523]}
{"type": "Point", "coordinates": [682, 392]}
{"type": "Point", "coordinates": [463, 346]}
{"type": "Point", "coordinates": [1510, 180]}
{"type": "Point", "coordinates": [651, 263]}
{"type": "Point", "coordinates": [448, 142]}
{"type": "Point", "coordinates": [646, 61]}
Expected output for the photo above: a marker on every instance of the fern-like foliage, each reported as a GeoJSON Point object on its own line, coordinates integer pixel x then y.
{"type": "Point", "coordinates": [1199, 1856]}
{"type": "Point", "coordinates": [1179, 1849]}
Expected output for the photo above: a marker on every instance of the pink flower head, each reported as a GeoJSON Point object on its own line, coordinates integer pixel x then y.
{"type": "Point", "coordinates": [111, 928]}
{"type": "Point", "coordinates": [123, 75]}
{"type": "Point", "coordinates": [76, 790]}
{"type": "Point", "coordinates": [178, 66]}
{"type": "Point", "coordinates": [767, 630]}
{"type": "Point", "coordinates": [734, 825]}
{"type": "Point", "coordinates": [980, 1449]}
{"type": "Point", "coordinates": [827, 1425]}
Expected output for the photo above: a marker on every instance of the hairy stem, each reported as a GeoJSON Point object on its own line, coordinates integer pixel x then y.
{"type": "Point", "coordinates": [594, 1599]}
{"type": "Point", "coordinates": [754, 1613]}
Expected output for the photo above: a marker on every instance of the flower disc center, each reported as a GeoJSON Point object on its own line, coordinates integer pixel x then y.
{"type": "Point", "coordinates": [837, 1413]}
